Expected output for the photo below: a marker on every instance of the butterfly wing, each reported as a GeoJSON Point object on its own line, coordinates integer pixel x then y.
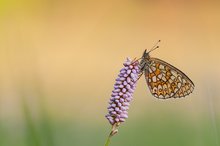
{"type": "Point", "coordinates": [166, 81]}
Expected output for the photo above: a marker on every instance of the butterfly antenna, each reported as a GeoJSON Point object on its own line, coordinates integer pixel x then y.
{"type": "Point", "coordinates": [155, 46]}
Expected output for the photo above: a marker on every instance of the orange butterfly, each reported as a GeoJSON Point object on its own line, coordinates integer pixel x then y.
{"type": "Point", "coordinates": [164, 80]}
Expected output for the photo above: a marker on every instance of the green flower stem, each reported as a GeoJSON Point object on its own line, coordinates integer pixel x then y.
{"type": "Point", "coordinates": [112, 133]}
{"type": "Point", "coordinates": [107, 141]}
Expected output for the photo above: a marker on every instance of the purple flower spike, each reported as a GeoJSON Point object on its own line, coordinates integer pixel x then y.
{"type": "Point", "coordinates": [123, 92]}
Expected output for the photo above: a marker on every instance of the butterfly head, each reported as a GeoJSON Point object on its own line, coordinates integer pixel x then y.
{"type": "Point", "coordinates": [146, 57]}
{"type": "Point", "coordinates": [146, 54]}
{"type": "Point", "coordinates": [144, 60]}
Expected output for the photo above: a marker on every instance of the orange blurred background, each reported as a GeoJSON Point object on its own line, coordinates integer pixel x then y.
{"type": "Point", "coordinates": [63, 57]}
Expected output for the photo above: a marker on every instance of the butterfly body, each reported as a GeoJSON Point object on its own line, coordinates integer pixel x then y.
{"type": "Point", "coordinates": [164, 80]}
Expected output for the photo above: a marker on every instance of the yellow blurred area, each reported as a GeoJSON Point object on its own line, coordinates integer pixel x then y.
{"type": "Point", "coordinates": [67, 54]}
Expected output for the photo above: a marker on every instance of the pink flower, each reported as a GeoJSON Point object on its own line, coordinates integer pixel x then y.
{"type": "Point", "coordinates": [122, 93]}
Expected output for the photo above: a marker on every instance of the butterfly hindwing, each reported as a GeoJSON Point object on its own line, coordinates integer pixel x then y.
{"type": "Point", "coordinates": [166, 81]}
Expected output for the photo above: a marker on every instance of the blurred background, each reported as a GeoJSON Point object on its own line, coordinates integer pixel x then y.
{"type": "Point", "coordinates": [59, 60]}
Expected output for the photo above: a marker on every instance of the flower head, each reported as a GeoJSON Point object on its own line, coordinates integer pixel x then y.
{"type": "Point", "coordinates": [123, 92]}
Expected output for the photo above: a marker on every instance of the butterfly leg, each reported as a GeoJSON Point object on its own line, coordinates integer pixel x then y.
{"type": "Point", "coordinates": [139, 76]}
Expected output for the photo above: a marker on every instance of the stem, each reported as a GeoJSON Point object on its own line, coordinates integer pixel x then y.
{"type": "Point", "coordinates": [107, 141]}
{"type": "Point", "coordinates": [114, 130]}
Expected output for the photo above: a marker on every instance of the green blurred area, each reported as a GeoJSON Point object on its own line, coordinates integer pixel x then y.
{"type": "Point", "coordinates": [59, 59]}
{"type": "Point", "coordinates": [171, 129]}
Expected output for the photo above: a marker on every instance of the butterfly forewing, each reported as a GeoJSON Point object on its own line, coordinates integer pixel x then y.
{"type": "Point", "coordinates": [166, 81]}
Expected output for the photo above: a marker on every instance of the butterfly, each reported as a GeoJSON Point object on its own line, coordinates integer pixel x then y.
{"type": "Point", "coordinates": [164, 80]}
